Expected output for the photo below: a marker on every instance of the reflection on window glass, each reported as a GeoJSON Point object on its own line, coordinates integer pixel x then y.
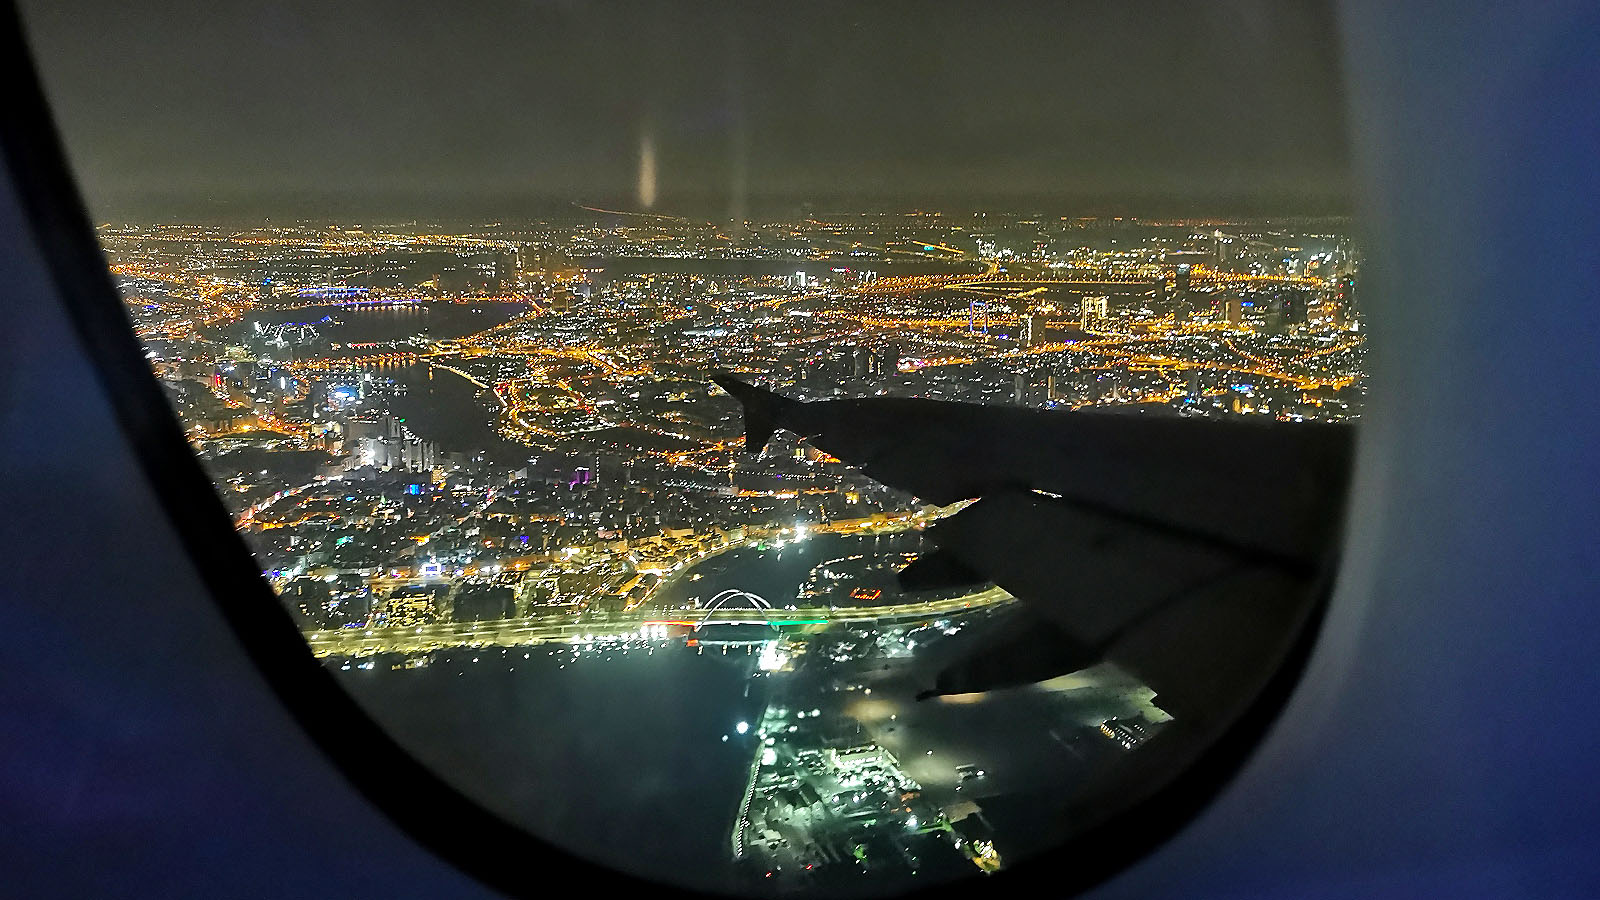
{"type": "Point", "coordinates": [439, 301]}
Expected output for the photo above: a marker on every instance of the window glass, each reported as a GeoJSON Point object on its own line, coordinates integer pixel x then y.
{"type": "Point", "coordinates": [437, 293]}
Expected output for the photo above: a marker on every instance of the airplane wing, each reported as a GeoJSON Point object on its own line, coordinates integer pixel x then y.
{"type": "Point", "coordinates": [1189, 551]}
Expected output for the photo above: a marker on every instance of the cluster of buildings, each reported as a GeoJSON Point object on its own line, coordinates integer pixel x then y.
{"type": "Point", "coordinates": [593, 450]}
{"type": "Point", "coordinates": [425, 427]}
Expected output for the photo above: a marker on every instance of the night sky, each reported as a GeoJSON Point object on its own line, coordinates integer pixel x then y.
{"type": "Point", "coordinates": [216, 110]}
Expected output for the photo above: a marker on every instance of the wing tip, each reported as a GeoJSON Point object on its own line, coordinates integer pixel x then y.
{"type": "Point", "coordinates": [762, 409]}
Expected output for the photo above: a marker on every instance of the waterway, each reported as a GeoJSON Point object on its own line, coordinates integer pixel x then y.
{"type": "Point", "coordinates": [616, 757]}
{"type": "Point", "coordinates": [357, 323]}
{"type": "Point", "coordinates": [438, 405]}
{"type": "Point", "coordinates": [775, 573]}
{"type": "Point", "coordinates": [630, 759]}
{"type": "Point", "coordinates": [441, 406]}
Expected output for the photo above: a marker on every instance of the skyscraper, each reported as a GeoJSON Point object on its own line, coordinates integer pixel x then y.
{"type": "Point", "coordinates": [978, 316]}
{"type": "Point", "coordinates": [1233, 309]}
{"type": "Point", "coordinates": [889, 360]}
{"type": "Point", "coordinates": [1094, 312]}
{"type": "Point", "coordinates": [1033, 330]}
{"type": "Point", "coordinates": [1349, 311]}
{"type": "Point", "coordinates": [1292, 305]}
{"type": "Point", "coordinates": [505, 270]}
{"type": "Point", "coordinates": [860, 362]}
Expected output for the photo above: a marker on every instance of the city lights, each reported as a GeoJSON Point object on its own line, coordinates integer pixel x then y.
{"type": "Point", "coordinates": [448, 448]}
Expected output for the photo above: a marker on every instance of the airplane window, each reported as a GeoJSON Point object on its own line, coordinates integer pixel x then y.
{"type": "Point", "coordinates": [821, 449]}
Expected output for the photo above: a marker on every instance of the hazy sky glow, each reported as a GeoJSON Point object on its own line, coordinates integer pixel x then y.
{"type": "Point", "coordinates": [495, 108]}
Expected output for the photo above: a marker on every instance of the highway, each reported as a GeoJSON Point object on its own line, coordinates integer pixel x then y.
{"type": "Point", "coordinates": [586, 629]}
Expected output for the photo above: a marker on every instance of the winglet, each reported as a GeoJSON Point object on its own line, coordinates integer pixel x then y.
{"type": "Point", "coordinates": [762, 408]}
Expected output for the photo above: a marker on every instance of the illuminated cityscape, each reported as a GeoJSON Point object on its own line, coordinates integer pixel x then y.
{"type": "Point", "coordinates": [455, 447]}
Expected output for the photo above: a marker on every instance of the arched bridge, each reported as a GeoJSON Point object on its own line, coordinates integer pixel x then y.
{"type": "Point", "coordinates": [563, 628]}
{"type": "Point", "coordinates": [728, 601]}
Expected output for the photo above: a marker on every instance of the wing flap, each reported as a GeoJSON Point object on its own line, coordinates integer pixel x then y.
{"type": "Point", "coordinates": [1092, 574]}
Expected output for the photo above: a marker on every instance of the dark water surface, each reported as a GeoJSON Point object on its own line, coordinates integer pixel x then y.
{"type": "Point", "coordinates": [357, 323]}
{"type": "Point", "coordinates": [443, 407]}
{"type": "Point", "coordinates": [618, 757]}
{"type": "Point", "coordinates": [615, 757]}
